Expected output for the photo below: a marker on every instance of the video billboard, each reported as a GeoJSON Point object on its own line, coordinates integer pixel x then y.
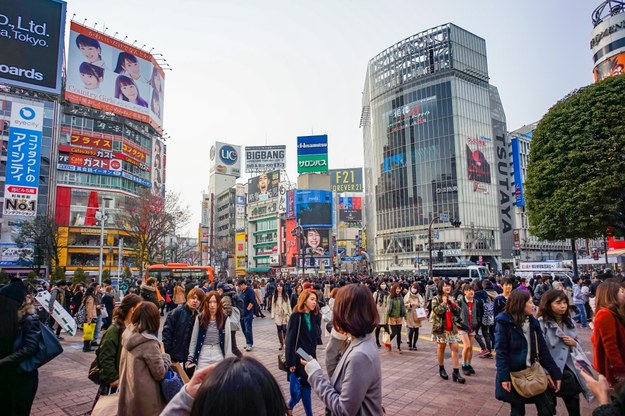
{"type": "Point", "coordinates": [610, 67]}
{"type": "Point", "coordinates": [23, 159]}
{"type": "Point", "coordinates": [411, 114]}
{"type": "Point", "coordinates": [312, 154]}
{"type": "Point", "coordinates": [478, 166]}
{"type": "Point", "coordinates": [263, 187]}
{"type": "Point", "coordinates": [225, 159]}
{"type": "Point", "coordinates": [346, 180]}
{"type": "Point", "coordinates": [350, 209]}
{"type": "Point", "coordinates": [158, 168]}
{"type": "Point", "coordinates": [313, 208]}
{"type": "Point", "coordinates": [107, 74]}
{"type": "Point", "coordinates": [31, 43]}
{"type": "Point", "coordinates": [317, 241]}
{"type": "Point", "coordinates": [265, 158]}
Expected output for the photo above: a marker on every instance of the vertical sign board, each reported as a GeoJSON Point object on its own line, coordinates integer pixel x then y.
{"type": "Point", "coordinates": [312, 154]}
{"type": "Point", "coordinates": [519, 196]}
{"type": "Point", "coordinates": [23, 159]}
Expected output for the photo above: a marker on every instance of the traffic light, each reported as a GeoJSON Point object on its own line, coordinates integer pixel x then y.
{"type": "Point", "coordinates": [595, 255]}
{"type": "Point", "coordinates": [439, 256]}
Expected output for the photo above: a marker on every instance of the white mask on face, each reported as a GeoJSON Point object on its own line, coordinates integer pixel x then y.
{"type": "Point", "coordinates": [413, 290]}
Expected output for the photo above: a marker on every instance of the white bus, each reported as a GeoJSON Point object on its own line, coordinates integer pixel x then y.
{"type": "Point", "coordinates": [454, 272]}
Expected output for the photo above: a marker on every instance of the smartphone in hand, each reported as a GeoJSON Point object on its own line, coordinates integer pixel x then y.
{"type": "Point", "coordinates": [587, 368]}
{"type": "Point", "coordinates": [303, 354]}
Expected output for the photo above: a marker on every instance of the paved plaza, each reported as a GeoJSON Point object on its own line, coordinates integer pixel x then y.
{"type": "Point", "coordinates": [411, 385]}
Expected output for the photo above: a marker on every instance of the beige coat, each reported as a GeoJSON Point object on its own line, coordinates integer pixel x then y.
{"type": "Point", "coordinates": [413, 302]}
{"type": "Point", "coordinates": [281, 311]}
{"type": "Point", "coordinates": [142, 366]}
{"type": "Point", "coordinates": [91, 312]}
{"type": "Point", "coordinates": [179, 297]}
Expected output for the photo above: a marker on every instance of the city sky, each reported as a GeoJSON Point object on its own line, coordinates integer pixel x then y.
{"type": "Point", "coordinates": [264, 72]}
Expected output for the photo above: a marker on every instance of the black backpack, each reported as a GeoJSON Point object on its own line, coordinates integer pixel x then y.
{"type": "Point", "coordinates": [237, 301]}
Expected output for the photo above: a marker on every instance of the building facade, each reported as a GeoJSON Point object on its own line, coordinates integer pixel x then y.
{"type": "Point", "coordinates": [430, 151]}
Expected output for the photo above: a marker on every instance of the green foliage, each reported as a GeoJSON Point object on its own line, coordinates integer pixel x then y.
{"type": "Point", "coordinates": [80, 276]}
{"type": "Point", "coordinates": [576, 173]}
{"type": "Point", "coordinates": [127, 273]}
{"type": "Point", "coordinates": [58, 274]}
{"type": "Point", "coordinates": [106, 274]}
{"type": "Point", "coordinates": [31, 277]}
{"type": "Point", "coordinates": [5, 278]}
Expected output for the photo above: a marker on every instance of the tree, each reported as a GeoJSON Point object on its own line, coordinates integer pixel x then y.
{"type": "Point", "coordinates": [80, 276]}
{"type": "Point", "coordinates": [40, 235]}
{"type": "Point", "coordinates": [576, 171]}
{"type": "Point", "coordinates": [151, 220]}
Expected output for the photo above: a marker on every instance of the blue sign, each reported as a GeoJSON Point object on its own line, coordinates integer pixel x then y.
{"type": "Point", "coordinates": [519, 196]}
{"type": "Point", "coordinates": [313, 208]}
{"type": "Point", "coordinates": [312, 145]}
{"type": "Point", "coordinates": [23, 153]}
{"type": "Point", "coordinates": [353, 258]}
{"type": "Point", "coordinates": [228, 155]}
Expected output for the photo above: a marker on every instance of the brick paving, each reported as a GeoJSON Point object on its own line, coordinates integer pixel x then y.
{"type": "Point", "coordinates": [410, 385]}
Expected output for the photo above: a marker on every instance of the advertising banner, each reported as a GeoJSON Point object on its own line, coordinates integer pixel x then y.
{"type": "Point", "coordinates": [290, 203]}
{"type": "Point", "coordinates": [23, 159]}
{"type": "Point", "coordinates": [93, 162]}
{"type": "Point", "coordinates": [291, 243]}
{"type": "Point", "coordinates": [350, 209]}
{"type": "Point", "coordinates": [478, 167]}
{"type": "Point", "coordinates": [519, 195]}
{"type": "Point", "coordinates": [92, 141]}
{"type": "Point", "coordinates": [158, 168]}
{"type": "Point", "coordinates": [31, 41]}
{"type": "Point", "coordinates": [610, 67]}
{"type": "Point", "coordinates": [412, 114]}
{"type": "Point", "coordinates": [110, 75]}
{"type": "Point", "coordinates": [313, 208]}
{"type": "Point", "coordinates": [317, 242]}
{"type": "Point", "coordinates": [312, 154]}
{"type": "Point", "coordinates": [225, 159]}
{"type": "Point", "coordinates": [263, 187]}
{"type": "Point", "coordinates": [346, 180]}
{"type": "Point", "coordinates": [265, 158]}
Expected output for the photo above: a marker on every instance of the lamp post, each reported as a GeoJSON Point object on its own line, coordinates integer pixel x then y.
{"type": "Point", "coordinates": [101, 216]}
{"type": "Point", "coordinates": [442, 217]}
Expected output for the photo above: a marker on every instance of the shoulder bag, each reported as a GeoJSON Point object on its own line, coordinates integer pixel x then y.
{"type": "Point", "coordinates": [282, 365]}
{"type": "Point", "coordinates": [533, 380]}
{"type": "Point", "coordinates": [49, 347]}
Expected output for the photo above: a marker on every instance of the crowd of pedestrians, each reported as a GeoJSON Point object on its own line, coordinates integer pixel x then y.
{"type": "Point", "coordinates": [519, 322]}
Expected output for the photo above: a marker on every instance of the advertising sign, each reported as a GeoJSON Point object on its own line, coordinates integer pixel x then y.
{"type": "Point", "coordinates": [107, 74]}
{"type": "Point", "coordinates": [92, 141]}
{"type": "Point", "coordinates": [313, 208]}
{"type": "Point", "coordinates": [312, 154]}
{"type": "Point", "coordinates": [158, 168]}
{"type": "Point", "coordinates": [23, 159]}
{"type": "Point", "coordinates": [225, 159]}
{"type": "Point", "coordinates": [265, 158]}
{"type": "Point", "coordinates": [291, 242]}
{"type": "Point", "coordinates": [31, 41]}
{"type": "Point", "coordinates": [263, 187]}
{"type": "Point", "coordinates": [350, 209]}
{"type": "Point", "coordinates": [519, 196]}
{"type": "Point", "coordinates": [610, 67]}
{"type": "Point", "coordinates": [478, 167]}
{"type": "Point", "coordinates": [346, 180]}
{"type": "Point", "coordinates": [412, 114]}
{"type": "Point", "coordinates": [94, 162]}
{"type": "Point", "coordinates": [317, 242]}
{"type": "Point", "coordinates": [290, 203]}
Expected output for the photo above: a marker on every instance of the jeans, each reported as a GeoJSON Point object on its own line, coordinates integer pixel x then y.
{"type": "Point", "coordinates": [98, 326]}
{"type": "Point", "coordinates": [247, 329]}
{"type": "Point", "coordinates": [581, 316]}
{"type": "Point", "coordinates": [306, 401]}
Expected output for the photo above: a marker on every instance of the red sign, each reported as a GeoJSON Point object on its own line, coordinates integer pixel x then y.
{"type": "Point", "coordinates": [105, 154]}
{"type": "Point", "coordinates": [133, 152]}
{"type": "Point", "coordinates": [93, 162]}
{"type": "Point", "coordinates": [90, 141]}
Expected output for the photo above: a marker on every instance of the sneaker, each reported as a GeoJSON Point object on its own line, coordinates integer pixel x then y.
{"type": "Point", "coordinates": [248, 348]}
{"type": "Point", "coordinates": [484, 353]}
{"type": "Point", "coordinates": [471, 370]}
{"type": "Point", "coordinates": [465, 370]}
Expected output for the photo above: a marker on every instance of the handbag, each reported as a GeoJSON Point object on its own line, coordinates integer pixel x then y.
{"type": "Point", "coordinates": [295, 388]}
{"type": "Point", "coordinates": [170, 385]}
{"type": "Point", "coordinates": [421, 314]}
{"type": "Point", "coordinates": [106, 405]}
{"type": "Point", "coordinates": [81, 315]}
{"type": "Point", "coordinates": [282, 365]}
{"type": "Point", "coordinates": [49, 347]}
{"type": "Point", "coordinates": [533, 380]}
{"type": "Point", "coordinates": [94, 371]}
{"type": "Point", "coordinates": [88, 331]}
{"type": "Point", "coordinates": [386, 338]}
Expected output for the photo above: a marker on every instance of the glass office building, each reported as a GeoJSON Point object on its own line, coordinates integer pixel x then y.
{"type": "Point", "coordinates": [430, 152]}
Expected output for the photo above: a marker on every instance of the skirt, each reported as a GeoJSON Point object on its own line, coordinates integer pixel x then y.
{"type": "Point", "coordinates": [446, 338]}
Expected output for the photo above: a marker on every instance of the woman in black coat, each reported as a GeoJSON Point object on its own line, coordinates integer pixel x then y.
{"type": "Point", "coordinates": [514, 325]}
{"type": "Point", "coordinates": [303, 331]}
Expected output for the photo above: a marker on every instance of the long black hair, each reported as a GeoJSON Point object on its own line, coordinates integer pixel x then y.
{"type": "Point", "coordinates": [285, 298]}
{"type": "Point", "coordinates": [546, 311]}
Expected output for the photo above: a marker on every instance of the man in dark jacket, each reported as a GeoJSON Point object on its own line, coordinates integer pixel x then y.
{"type": "Point", "coordinates": [249, 302]}
{"type": "Point", "coordinates": [57, 295]}
{"type": "Point", "coordinates": [179, 326]}
{"type": "Point", "coordinates": [148, 292]}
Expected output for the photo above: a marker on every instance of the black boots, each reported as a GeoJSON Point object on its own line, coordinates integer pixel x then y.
{"type": "Point", "coordinates": [442, 372]}
{"type": "Point", "coordinates": [86, 346]}
{"type": "Point", "coordinates": [457, 377]}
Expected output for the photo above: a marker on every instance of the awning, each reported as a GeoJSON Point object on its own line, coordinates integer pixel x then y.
{"type": "Point", "coordinates": [616, 252]}
{"type": "Point", "coordinates": [258, 270]}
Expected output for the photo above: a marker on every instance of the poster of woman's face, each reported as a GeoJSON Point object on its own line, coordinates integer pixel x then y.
{"type": "Point", "coordinates": [317, 242]}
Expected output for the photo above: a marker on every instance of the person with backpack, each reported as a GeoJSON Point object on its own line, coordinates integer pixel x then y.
{"type": "Point", "coordinates": [233, 307]}
{"type": "Point", "coordinates": [485, 292]}
{"type": "Point", "coordinates": [542, 285]}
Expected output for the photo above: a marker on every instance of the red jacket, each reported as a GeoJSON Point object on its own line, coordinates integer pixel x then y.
{"type": "Point", "coordinates": [608, 340]}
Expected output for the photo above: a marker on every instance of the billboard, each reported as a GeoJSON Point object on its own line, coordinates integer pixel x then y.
{"type": "Point", "coordinates": [478, 167]}
{"type": "Point", "coordinates": [519, 195]}
{"type": "Point", "coordinates": [346, 180]}
{"type": "Point", "coordinates": [107, 74]}
{"type": "Point", "coordinates": [158, 168]}
{"type": "Point", "coordinates": [317, 242]}
{"type": "Point", "coordinates": [350, 209]}
{"type": "Point", "coordinates": [225, 159]}
{"type": "Point", "coordinates": [312, 154]}
{"type": "Point", "coordinates": [23, 159]}
{"type": "Point", "coordinates": [313, 208]}
{"type": "Point", "coordinates": [263, 187]}
{"type": "Point", "coordinates": [412, 114]}
{"type": "Point", "coordinates": [31, 41]}
{"type": "Point", "coordinates": [265, 158]}
{"type": "Point", "coordinates": [610, 67]}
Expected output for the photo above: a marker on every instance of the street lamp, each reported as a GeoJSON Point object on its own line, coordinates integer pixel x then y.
{"type": "Point", "coordinates": [101, 216]}
{"type": "Point", "coordinates": [444, 218]}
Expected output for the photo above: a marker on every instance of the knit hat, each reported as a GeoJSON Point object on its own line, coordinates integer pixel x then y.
{"type": "Point", "coordinates": [15, 290]}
